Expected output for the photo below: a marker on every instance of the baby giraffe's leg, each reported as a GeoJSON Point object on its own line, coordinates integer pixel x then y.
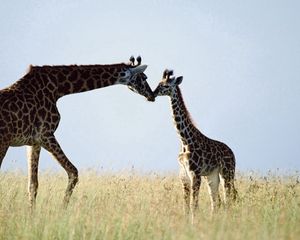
{"type": "Point", "coordinates": [186, 185]}
{"type": "Point", "coordinates": [227, 180]}
{"type": "Point", "coordinates": [33, 153]}
{"type": "Point", "coordinates": [196, 183]}
{"type": "Point", "coordinates": [213, 181]}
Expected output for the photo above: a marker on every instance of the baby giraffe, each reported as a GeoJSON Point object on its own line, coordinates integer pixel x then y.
{"type": "Point", "coordinates": [199, 155]}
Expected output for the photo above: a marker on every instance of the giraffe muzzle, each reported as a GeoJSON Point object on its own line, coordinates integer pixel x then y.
{"type": "Point", "coordinates": [151, 98]}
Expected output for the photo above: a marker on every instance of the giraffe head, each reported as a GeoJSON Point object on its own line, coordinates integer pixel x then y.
{"type": "Point", "coordinates": [136, 80]}
{"type": "Point", "coordinates": [168, 84]}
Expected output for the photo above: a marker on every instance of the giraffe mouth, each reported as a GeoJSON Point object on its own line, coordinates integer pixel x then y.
{"type": "Point", "coordinates": [155, 93]}
{"type": "Point", "coordinates": [151, 99]}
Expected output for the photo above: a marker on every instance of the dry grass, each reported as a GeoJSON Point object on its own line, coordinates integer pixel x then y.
{"type": "Point", "coordinates": [129, 206]}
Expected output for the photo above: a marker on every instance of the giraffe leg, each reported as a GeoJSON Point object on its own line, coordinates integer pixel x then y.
{"type": "Point", "coordinates": [33, 154]}
{"type": "Point", "coordinates": [227, 180]}
{"type": "Point", "coordinates": [51, 145]}
{"type": "Point", "coordinates": [213, 181]}
{"type": "Point", "coordinates": [186, 184]}
{"type": "Point", "coordinates": [3, 150]}
{"type": "Point", "coordinates": [196, 183]}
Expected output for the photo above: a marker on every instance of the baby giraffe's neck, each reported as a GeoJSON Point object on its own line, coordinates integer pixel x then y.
{"type": "Point", "coordinates": [182, 119]}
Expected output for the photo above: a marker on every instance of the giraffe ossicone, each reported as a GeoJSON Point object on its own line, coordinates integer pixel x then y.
{"type": "Point", "coordinates": [199, 155]}
{"type": "Point", "coordinates": [29, 115]}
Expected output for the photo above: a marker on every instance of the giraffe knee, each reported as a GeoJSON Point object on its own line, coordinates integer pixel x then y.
{"type": "Point", "coordinates": [32, 189]}
{"type": "Point", "coordinates": [234, 194]}
{"type": "Point", "coordinates": [73, 175]}
{"type": "Point", "coordinates": [230, 190]}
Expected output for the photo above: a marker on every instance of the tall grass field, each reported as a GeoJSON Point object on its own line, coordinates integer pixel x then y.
{"type": "Point", "coordinates": [150, 206]}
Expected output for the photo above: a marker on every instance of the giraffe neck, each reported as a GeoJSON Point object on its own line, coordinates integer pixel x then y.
{"type": "Point", "coordinates": [185, 128]}
{"type": "Point", "coordinates": [64, 80]}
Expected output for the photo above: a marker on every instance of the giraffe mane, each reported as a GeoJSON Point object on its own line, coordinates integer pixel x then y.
{"type": "Point", "coordinates": [184, 106]}
{"type": "Point", "coordinates": [31, 67]}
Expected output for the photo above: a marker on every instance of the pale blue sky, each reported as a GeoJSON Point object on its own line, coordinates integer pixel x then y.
{"type": "Point", "coordinates": [240, 62]}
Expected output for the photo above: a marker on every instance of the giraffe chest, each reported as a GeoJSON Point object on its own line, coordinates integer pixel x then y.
{"type": "Point", "coordinates": [26, 115]}
{"type": "Point", "coordinates": [28, 127]}
{"type": "Point", "coordinates": [198, 160]}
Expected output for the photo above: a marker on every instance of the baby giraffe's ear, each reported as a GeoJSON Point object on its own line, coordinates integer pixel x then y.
{"type": "Point", "coordinates": [178, 80]}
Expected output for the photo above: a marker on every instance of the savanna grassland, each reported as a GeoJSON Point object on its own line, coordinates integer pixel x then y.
{"type": "Point", "coordinates": [131, 206]}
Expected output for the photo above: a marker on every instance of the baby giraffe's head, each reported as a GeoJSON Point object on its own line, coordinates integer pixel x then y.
{"type": "Point", "coordinates": [168, 84]}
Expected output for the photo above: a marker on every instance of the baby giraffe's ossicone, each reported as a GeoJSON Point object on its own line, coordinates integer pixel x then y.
{"type": "Point", "coordinates": [199, 155]}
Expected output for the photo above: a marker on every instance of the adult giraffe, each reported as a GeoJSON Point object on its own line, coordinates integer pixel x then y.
{"type": "Point", "coordinates": [29, 115]}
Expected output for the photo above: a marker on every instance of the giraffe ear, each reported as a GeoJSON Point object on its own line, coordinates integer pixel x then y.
{"type": "Point", "coordinates": [138, 69]}
{"type": "Point", "coordinates": [178, 80]}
